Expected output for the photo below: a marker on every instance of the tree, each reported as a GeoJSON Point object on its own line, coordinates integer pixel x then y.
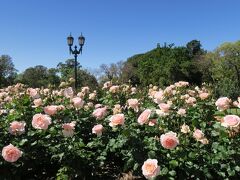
{"type": "Point", "coordinates": [194, 48]}
{"type": "Point", "coordinates": [39, 76]}
{"type": "Point", "coordinates": [66, 71]}
{"type": "Point", "coordinates": [7, 71]}
{"type": "Point", "coordinates": [225, 69]}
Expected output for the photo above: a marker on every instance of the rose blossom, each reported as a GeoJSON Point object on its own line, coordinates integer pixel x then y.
{"type": "Point", "coordinates": [117, 109]}
{"type": "Point", "coordinates": [33, 93]}
{"type": "Point", "coordinates": [11, 153]}
{"type": "Point", "coordinates": [77, 102]}
{"type": "Point", "coordinates": [203, 95]}
{"type": "Point", "coordinates": [51, 110]}
{"type": "Point", "coordinates": [150, 168]}
{"type": "Point", "coordinates": [164, 107]}
{"type": "Point", "coordinates": [41, 121]}
{"type": "Point", "coordinates": [92, 96]}
{"type": "Point", "coordinates": [133, 103]}
{"type": "Point", "coordinates": [133, 90]}
{"type": "Point", "coordinates": [68, 92]}
{"type": "Point", "coordinates": [37, 102]}
{"type": "Point", "coordinates": [158, 97]}
{"type": "Point", "coordinates": [169, 140]}
{"type": "Point", "coordinates": [144, 116]}
{"type": "Point", "coordinates": [185, 129]}
{"type": "Point", "coordinates": [181, 112]}
{"type": "Point", "coordinates": [85, 90]}
{"type": "Point", "coordinates": [117, 119]}
{"type": "Point", "coordinates": [223, 103]}
{"type": "Point", "coordinates": [97, 129]}
{"type": "Point", "coordinates": [114, 89]}
{"type": "Point", "coordinates": [17, 128]}
{"type": "Point", "coordinates": [198, 134]}
{"type": "Point", "coordinates": [68, 129]}
{"type": "Point", "coordinates": [191, 101]}
{"type": "Point", "coordinates": [99, 113]}
{"type": "Point", "coordinates": [231, 121]}
{"type": "Point", "coordinates": [152, 122]}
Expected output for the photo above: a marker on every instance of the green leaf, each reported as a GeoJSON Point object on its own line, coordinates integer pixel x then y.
{"type": "Point", "coordinates": [173, 163]}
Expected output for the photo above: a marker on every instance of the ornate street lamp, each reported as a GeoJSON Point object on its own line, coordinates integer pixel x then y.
{"type": "Point", "coordinates": [75, 52]}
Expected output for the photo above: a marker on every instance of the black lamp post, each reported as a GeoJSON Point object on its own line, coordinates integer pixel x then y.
{"type": "Point", "coordinates": [75, 52]}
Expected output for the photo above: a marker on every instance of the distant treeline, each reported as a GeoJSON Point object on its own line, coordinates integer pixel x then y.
{"type": "Point", "coordinates": [161, 66]}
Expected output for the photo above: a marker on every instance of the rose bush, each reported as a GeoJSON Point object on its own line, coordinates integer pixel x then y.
{"type": "Point", "coordinates": [176, 132]}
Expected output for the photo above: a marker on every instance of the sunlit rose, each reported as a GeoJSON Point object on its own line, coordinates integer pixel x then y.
{"type": "Point", "coordinates": [144, 117]}
{"type": "Point", "coordinates": [37, 102]}
{"type": "Point", "coordinates": [150, 168]}
{"type": "Point", "coordinates": [198, 134]}
{"type": "Point", "coordinates": [203, 95]}
{"type": "Point", "coordinates": [133, 103]}
{"type": "Point", "coordinates": [223, 103]}
{"type": "Point", "coordinates": [11, 153]}
{"type": "Point", "coordinates": [117, 119]}
{"type": "Point", "coordinates": [181, 112]}
{"type": "Point", "coordinates": [231, 121]}
{"type": "Point", "coordinates": [77, 102]}
{"type": "Point", "coordinates": [164, 107]}
{"type": "Point", "coordinates": [17, 127]}
{"type": "Point", "coordinates": [185, 128]}
{"type": "Point", "coordinates": [41, 121]}
{"type": "Point", "coordinates": [100, 113]}
{"type": "Point", "coordinates": [169, 140]}
{"type": "Point", "coordinates": [97, 129]}
{"type": "Point", "coordinates": [68, 129]}
{"type": "Point", "coordinates": [51, 110]}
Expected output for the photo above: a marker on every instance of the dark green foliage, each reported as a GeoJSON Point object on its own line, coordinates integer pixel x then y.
{"type": "Point", "coordinates": [162, 66]}
{"type": "Point", "coordinates": [7, 71]}
{"type": "Point", "coordinates": [66, 71]}
{"type": "Point", "coordinates": [39, 76]}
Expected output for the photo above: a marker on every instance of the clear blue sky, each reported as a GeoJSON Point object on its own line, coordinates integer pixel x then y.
{"type": "Point", "coordinates": [34, 32]}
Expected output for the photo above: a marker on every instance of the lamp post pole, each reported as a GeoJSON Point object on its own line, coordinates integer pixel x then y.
{"type": "Point", "coordinates": [75, 52]}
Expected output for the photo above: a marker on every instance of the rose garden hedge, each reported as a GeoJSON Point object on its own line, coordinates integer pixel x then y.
{"type": "Point", "coordinates": [174, 133]}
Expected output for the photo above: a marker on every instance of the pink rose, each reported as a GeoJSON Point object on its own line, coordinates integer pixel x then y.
{"type": "Point", "coordinates": [114, 89]}
{"type": "Point", "coordinates": [231, 121]}
{"type": "Point", "coordinates": [68, 92]}
{"type": "Point", "coordinates": [85, 90]}
{"type": "Point", "coordinates": [185, 129]}
{"type": "Point", "coordinates": [164, 107]}
{"type": "Point", "coordinates": [41, 121]}
{"type": "Point", "coordinates": [17, 128]}
{"type": "Point", "coordinates": [117, 119]}
{"type": "Point", "coordinates": [68, 129]}
{"type": "Point", "coordinates": [33, 93]}
{"type": "Point", "coordinates": [144, 117]}
{"type": "Point", "coordinates": [11, 153]}
{"type": "Point", "coordinates": [133, 103]}
{"type": "Point", "coordinates": [100, 113]}
{"type": "Point", "coordinates": [107, 85]}
{"type": "Point", "coordinates": [152, 122]}
{"type": "Point", "coordinates": [98, 106]}
{"type": "Point", "coordinates": [203, 96]}
{"type": "Point", "coordinates": [51, 110]}
{"type": "Point", "coordinates": [158, 97]}
{"type": "Point", "coordinates": [181, 84]}
{"type": "Point", "coordinates": [169, 140]}
{"type": "Point", "coordinates": [181, 112]}
{"type": "Point", "coordinates": [37, 102]}
{"type": "Point", "coordinates": [223, 103]}
{"type": "Point", "coordinates": [191, 100]}
{"type": "Point", "coordinates": [97, 129]}
{"type": "Point", "coordinates": [78, 102]}
{"type": "Point", "coordinates": [198, 134]}
{"type": "Point", "coordinates": [150, 168]}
